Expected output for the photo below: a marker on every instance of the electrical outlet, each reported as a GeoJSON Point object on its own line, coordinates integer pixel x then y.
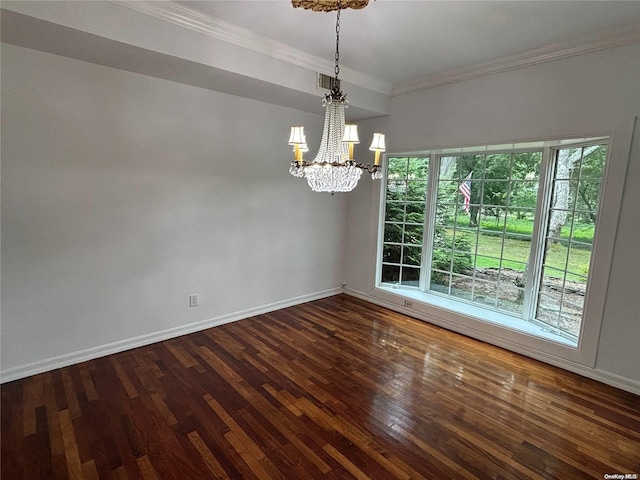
{"type": "Point", "coordinates": [193, 300]}
{"type": "Point", "coordinates": [408, 303]}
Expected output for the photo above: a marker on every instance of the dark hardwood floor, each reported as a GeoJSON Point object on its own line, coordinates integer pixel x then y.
{"type": "Point", "coordinates": [336, 388]}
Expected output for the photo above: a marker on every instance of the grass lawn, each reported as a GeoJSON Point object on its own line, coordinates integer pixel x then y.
{"type": "Point", "coordinates": [582, 232]}
{"type": "Point", "coordinates": [516, 255]}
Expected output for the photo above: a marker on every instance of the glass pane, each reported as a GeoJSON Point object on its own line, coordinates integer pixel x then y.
{"type": "Point", "coordinates": [461, 286]}
{"type": "Point", "coordinates": [564, 194]}
{"type": "Point", "coordinates": [415, 212]}
{"type": "Point", "coordinates": [418, 168]}
{"type": "Point", "coordinates": [571, 313]}
{"type": "Point", "coordinates": [392, 233]}
{"type": "Point", "coordinates": [462, 224]}
{"type": "Point", "coordinates": [497, 166]}
{"type": "Point", "coordinates": [448, 191]}
{"type": "Point", "coordinates": [495, 193]}
{"type": "Point", "coordinates": [568, 161]}
{"type": "Point", "coordinates": [410, 276]}
{"type": "Point", "coordinates": [487, 262]}
{"type": "Point", "coordinates": [493, 219]}
{"type": "Point", "coordinates": [469, 163]}
{"type": "Point", "coordinates": [489, 245]}
{"type": "Point", "coordinates": [441, 259]}
{"type": "Point", "coordinates": [397, 168]}
{"type": "Point", "coordinates": [522, 199]}
{"type": "Point", "coordinates": [411, 255]}
{"type": "Point", "coordinates": [413, 234]}
{"type": "Point", "coordinates": [396, 190]}
{"type": "Point", "coordinates": [510, 295]}
{"type": "Point", "coordinates": [578, 266]}
{"type": "Point", "coordinates": [593, 161]}
{"type": "Point", "coordinates": [588, 196]}
{"type": "Point", "coordinates": [391, 253]}
{"type": "Point", "coordinates": [448, 166]}
{"type": "Point", "coordinates": [550, 274]}
{"type": "Point", "coordinates": [440, 281]}
{"type": "Point", "coordinates": [508, 276]}
{"type": "Point", "coordinates": [526, 166]}
{"type": "Point", "coordinates": [416, 191]}
{"type": "Point", "coordinates": [484, 293]}
{"type": "Point", "coordinates": [511, 298]}
{"type": "Point", "coordinates": [462, 261]}
{"type": "Point", "coordinates": [394, 212]}
{"type": "Point", "coordinates": [390, 273]}
{"type": "Point", "coordinates": [548, 308]}
{"type": "Point", "coordinates": [446, 214]}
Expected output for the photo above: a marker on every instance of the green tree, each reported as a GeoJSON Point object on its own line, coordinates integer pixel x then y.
{"type": "Point", "coordinates": [406, 203]}
{"type": "Point", "coordinates": [589, 171]}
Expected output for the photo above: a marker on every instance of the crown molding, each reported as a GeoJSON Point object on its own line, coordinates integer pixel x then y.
{"type": "Point", "coordinates": [555, 51]}
{"type": "Point", "coordinates": [217, 28]}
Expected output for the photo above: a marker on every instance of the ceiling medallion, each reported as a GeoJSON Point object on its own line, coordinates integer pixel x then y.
{"type": "Point", "coordinates": [329, 5]}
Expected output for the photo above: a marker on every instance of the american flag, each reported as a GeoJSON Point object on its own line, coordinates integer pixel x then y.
{"type": "Point", "coordinates": [465, 190]}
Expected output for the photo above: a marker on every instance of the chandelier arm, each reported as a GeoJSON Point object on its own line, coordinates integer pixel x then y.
{"type": "Point", "coordinates": [368, 167]}
{"type": "Point", "coordinates": [362, 166]}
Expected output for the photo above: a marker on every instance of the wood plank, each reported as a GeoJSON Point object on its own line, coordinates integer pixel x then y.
{"type": "Point", "coordinates": [31, 395]}
{"type": "Point", "coordinates": [345, 462]}
{"type": "Point", "coordinates": [163, 409]}
{"type": "Point", "coordinates": [43, 439]}
{"type": "Point", "coordinates": [89, 470]}
{"type": "Point", "coordinates": [74, 466]}
{"type": "Point", "coordinates": [56, 441]}
{"type": "Point", "coordinates": [209, 458]}
{"type": "Point", "coordinates": [87, 381]}
{"type": "Point", "coordinates": [182, 355]}
{"type": "Point", "coordinates": [146, 468]}
{"type": "Point", "coordinates": [125, 381]}
{"type": "Point", "coordinates": [73, 405]}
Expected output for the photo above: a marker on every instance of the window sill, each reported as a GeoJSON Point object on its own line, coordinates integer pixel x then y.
{"type": "Point", "coordinates": [481, 315]}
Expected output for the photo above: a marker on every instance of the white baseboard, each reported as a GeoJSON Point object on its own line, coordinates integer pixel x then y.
{"type": "Point", "coordinates": [608, 378]}
{"type": "Point", "coordinates": [65, 360]}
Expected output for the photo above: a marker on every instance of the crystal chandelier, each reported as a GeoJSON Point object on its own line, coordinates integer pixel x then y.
{"type": "Point", "coordinates": [334, 169]}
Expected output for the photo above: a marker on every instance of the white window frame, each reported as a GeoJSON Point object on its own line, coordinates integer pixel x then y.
{"type": "Point", "coordinates": [496, 327]}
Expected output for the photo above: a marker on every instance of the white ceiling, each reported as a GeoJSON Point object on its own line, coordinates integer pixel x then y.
{"type": "Point", "coordinates": [269, 51]}
{"type": "Point", "coordinates": [399, 41]}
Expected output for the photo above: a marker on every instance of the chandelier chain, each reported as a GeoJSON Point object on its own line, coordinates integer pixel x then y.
{"type": "Point", "coordinates": [337, 68]}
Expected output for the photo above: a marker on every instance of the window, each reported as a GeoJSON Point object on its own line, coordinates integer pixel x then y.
{"type": "Point", "coordinates": [404, 220]}
{"type": "Point", "coordinates": [504, 229]}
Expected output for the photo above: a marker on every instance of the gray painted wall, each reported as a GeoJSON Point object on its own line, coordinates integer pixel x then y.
{"type": "Point", "coordinates": [122, 194]}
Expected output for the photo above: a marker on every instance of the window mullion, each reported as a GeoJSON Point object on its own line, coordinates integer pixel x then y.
{"type": "Point", "coordinates": [431, 199]}
{"type": "Point", "coordinates": [538, 237]}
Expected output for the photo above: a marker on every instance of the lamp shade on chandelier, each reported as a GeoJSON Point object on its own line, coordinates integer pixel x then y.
{"type": "Point", "coordinates": [334, 168]}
